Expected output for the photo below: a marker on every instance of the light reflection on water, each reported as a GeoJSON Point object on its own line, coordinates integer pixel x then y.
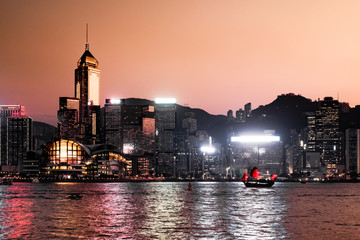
{"type": "Point", "coordinates": [166, 210]}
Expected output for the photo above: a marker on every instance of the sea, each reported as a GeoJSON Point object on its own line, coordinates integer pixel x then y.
{"type": "Point", "coordinates": [167, 210]}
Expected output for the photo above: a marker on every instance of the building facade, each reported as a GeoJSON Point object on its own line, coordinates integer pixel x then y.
{"type": "Point", "coordinates": [79, 117]}
{"type": "Point", "coordinates": [16, 136]}
{"type": "Point", "coordinates": [165, 123]}
{"type": "Point", "coordinates": [328, 137]}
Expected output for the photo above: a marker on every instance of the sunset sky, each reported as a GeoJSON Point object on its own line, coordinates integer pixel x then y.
{"type": "Point", "coordinates": [215, 55]}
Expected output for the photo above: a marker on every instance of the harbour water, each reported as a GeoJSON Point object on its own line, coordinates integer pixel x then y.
{"type": "Point", "coordinates": [166, 210]}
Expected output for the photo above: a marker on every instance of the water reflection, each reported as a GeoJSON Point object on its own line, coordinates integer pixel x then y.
{"type": "Point", "coordinates": [324, 211]}
{"type": "Point", "coordinates": [156, 210]}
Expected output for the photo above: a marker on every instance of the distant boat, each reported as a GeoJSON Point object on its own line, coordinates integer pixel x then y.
{"type": "Point", "coordinates": [303, 181]}
{"type": "Point", "coordinates": [35, 180]}
{"type": "Point", "coordinates": [261, 183]}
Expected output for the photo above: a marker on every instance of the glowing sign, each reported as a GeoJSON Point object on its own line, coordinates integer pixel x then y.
{"type": "Point", "coordinates": [165, 100]}
{"type": "Point", "coordinates": [256, 139]}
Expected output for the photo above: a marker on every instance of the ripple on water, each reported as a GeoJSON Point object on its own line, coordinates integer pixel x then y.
{"type": "Point", "coordinates": [159, 210]}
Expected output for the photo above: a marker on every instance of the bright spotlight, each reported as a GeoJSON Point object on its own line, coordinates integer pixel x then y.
{"type": "Point", "coordinates": [207, 149]}
{"type": "Point", "coordinates": [255, 139]}
{"type": "Point", "coordinates": [115, 101]}
{"type": "Point", "coordinates": [165, 100]}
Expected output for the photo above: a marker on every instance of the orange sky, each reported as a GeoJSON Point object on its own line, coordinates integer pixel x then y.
{"type": "Point", "coordinates": [214, 55]}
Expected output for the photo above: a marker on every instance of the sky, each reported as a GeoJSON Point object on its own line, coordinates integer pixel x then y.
{"type": "Point", "coordinates": [211, 54]}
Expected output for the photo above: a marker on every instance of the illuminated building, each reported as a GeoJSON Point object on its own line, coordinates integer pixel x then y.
{"type": "Point", "coordinates": [87, 83]}
{"type": "Point", "coordinates": [311, 132]}
{"type": "Point", "coordinates": [7, 111]}
{"type": "Point", "coordinates": [68, 116]}
{"type": "Point", "coordinates": [19, 142]}
{"type": "Point", "coordinates": [190, 123]}
{"type": "Point", "coordinates": [79, 117]}
{"type": "Point", "coordinates": [138, 134]}
{"type": "Point", "coordinates": [165, 122]}
{"type": "Point", "coordinates": [327, 140]}
{"type": "Point", "coordinates": [261, 150]}
{"type": "Point", "coordinates": [69, 159]}
{"type": "Point", "coordinates": [112, 122]}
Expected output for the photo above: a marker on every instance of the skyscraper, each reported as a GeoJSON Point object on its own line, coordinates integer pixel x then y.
{"type": "Point", "coordinates": [165, 123]}
{"type": "Point", "coordinates": [112, 122]}
{"type": "Point", "coordinates": [68, 116]}
{"type": "Point", "coordinates": [328, 132]}
{"type": "Point", "coordinates": [7, 111]}
{"type": "Point", "coordinates": [85, 107]}
{"type": "Point", "coordinates": [19, 141]}
{"type": "Point", "coordinates": [138, 134]}
{"type": "Point", "coordinates": [16, 136]}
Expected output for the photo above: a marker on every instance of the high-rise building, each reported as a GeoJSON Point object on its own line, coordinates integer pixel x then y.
{"type": "Point", "coordinates": [87, 83]}
{"type": "Point", "coordinates": [352, 150]}
{"type": "Point", "coordinates": [81, 115]}
{"type": "Point", "coordinates": [130, 125]}
{"type": "Point", "coordinates": [247, 109]}
{"type": "Point", "coordinates": [112, 122]}
{"type": "Point", "coordinates": [328, 133]}
{"type": "Point", "coordinates": [240, 115]}
{"type": "Point", "coordinates": [190, 123]}
{"type": "Point", "coordinates": [19, 142]}
{"type": "Point", "coordinates": [68, 117]}
{"type": "Point", "coordinates": [165, 123]}
{"type": "Point", "coordinates": [7, 111]}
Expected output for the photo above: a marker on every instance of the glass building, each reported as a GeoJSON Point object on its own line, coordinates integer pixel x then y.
{"type": "Point", "coordinates": [68, 159]}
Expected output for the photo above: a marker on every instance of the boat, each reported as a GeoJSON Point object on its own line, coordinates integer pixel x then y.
{"type": "Point", "coordinates": [5, 181]}
{"type": "Point", "coordinates": [261, 183]}
{"type": "Point", "coordinates": [35, 180]}
{"type": "Point", "coordinates": [255, 181]}
{"type": "Point", "coordinates": [189, 187]}
{"type": "Point", "coordinates": [303, 181]}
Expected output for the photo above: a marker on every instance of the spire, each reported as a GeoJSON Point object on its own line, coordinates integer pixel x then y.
{"type": "Point", "coordinates": [87, 39]}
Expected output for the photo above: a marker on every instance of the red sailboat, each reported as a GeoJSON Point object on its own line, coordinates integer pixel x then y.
{"type": "Point", "coordinates": [255, 181]}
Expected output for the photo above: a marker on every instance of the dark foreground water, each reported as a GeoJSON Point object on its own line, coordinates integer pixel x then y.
{"type": "Point", "coordinates": [166, 210]}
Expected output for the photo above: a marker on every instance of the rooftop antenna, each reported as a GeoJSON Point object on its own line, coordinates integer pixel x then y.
{"type": "Point", "coordinates": [87, 38]}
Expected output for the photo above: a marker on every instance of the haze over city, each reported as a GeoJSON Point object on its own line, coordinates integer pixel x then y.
{"type": "Point", "coordinates": [214, 55]}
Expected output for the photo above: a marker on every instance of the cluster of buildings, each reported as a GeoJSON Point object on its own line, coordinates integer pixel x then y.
{"type": "Point", "coordinates": [142, 138]}
{"type": "Point", "coordinates": [125, 137]}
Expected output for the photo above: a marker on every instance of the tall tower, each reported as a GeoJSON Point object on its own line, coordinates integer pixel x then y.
{"type": "Point", "coordinates": [328, 132]}
{"type": "Point", "coordinates": [7, 111]}
{"type": "Point", "coordinates": [165, 124]}
{"type": "Point", "coordinates": [87, 90]}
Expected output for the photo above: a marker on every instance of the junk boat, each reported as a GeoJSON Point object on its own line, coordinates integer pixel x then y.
{"type": "Point", "coordinates": [255, 181]}
{"type": "Point", "coordinates": [261, 183]}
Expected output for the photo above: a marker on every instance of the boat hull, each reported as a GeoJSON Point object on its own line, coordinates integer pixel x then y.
{"type": "Point", "coordinates": [259, 184]}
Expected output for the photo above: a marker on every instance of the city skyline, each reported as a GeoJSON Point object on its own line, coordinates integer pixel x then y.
{"type": "Point", "coordinates": [209, 55]}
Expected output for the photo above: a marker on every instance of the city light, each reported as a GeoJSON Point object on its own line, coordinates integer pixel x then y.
{"type": "Point", "coordinates": [207, 149]}
{"type": "Point", "coordinates": [255, 139]}
{"type": "Point", "coordinates": [115, 101]}
{"type": "Point", "coordinates": [165, 100]}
